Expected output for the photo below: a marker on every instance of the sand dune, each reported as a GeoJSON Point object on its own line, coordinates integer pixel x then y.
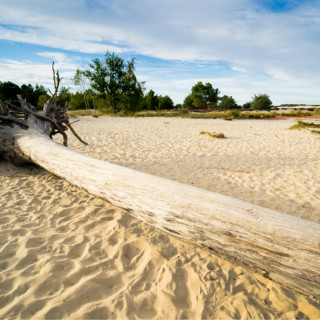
{"type": "Point", "coordinates": [67, 254]}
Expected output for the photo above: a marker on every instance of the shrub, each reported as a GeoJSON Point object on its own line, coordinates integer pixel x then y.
{"type": "Point", "coordinates": [234, 113]}
{"type": "Point", "coordinates": [43, 99]}
{"type": "Point", "coordinates": [184, 110]}
{"type": "Point", "coordinates": [261, 102]}
{"type": "Point", "coordinates": [227, 102]}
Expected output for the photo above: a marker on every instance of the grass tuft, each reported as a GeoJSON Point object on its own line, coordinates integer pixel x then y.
{"type": "Point", "coordinates": [213, 134]}
{"type": "Point", "coordinates": [92, 113]}
{"type": "Point", "coordinates": [306, 125]}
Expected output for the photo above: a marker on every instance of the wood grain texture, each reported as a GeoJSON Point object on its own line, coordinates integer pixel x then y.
{"type": "Point", "coordinates": [285, 247]}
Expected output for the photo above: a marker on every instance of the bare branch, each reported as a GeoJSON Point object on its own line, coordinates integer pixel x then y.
{"type": "Point", "coordinates": [15, 120]}
{"type": "Point", "coordinates": [75, 134]}
{"type": "Point", "coordinates": [3, 108]}
{"type": "Point", "coordinates": [56, 80]}
{"type": "Point", "coordinates": [75, 121]}
{"type": "Point", "coordinates": [54, 76]}
{"type": "Point", "coordinates": [40, 116]}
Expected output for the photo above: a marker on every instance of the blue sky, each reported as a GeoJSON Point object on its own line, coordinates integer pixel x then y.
{"type": "Point", "coordinates": [242, 47]}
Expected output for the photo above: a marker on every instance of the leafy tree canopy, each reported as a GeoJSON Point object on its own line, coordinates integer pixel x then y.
{"type": "Point", "coordinates": [188, 102]}
{"type": "Point", "coordinates": [32, 94]}
{"type": "Point", "coordinates": [77, 101]}
{"type": "Point", "coordinates": [246, 105]}
{"type": "Point", "coordinates": [203, 96]}
{"type": "Point", "coordinates": [165, 103]}
{"type": "Point", "coordinates": [114, 80]}
{"type": "Point", "coordinates": [261, 102]}
{"type": "Point", "coordinates": [152, 100]}
{"type": "Point", "coordinates": [227, 102]}
{"type": "Point", "coordinates": [64, 96]}
{"type": "Point", "coordinates": [43, 98]}
{"type": "Point", "coordinates": [9, 91]}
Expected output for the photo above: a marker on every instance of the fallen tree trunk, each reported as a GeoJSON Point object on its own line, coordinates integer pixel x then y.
{"type": "Point", "coordinates": [283, 247]}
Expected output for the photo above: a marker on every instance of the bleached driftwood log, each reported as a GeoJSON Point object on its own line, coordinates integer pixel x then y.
{"type": "Point", "coordinates": [283, 247]}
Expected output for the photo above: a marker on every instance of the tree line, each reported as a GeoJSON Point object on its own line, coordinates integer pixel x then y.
{"type": "Point", "coordinates": [110, 84]}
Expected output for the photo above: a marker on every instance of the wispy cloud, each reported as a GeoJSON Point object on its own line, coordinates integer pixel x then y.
{"type": "Point", "coordinates": [24, 72]}
{"type": "Point", "coordinates": [53, 40]}
{"type": "Point", "coordinates": [277, 43]}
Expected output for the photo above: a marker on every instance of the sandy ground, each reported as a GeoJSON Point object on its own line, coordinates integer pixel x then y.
{"type": "Point", "coordinates": [67, 254]}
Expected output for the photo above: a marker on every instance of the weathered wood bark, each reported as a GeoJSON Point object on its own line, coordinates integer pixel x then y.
{"type": "Point", "coordinates": [284, 247]}
{"type": "Point", "coordinates": [51, 121]}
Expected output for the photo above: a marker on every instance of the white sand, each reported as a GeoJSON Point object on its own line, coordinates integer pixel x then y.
{"type": "Point", "coordinates": [67, 254]}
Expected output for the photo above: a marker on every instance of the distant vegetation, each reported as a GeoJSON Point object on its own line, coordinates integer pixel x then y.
{"type": "Point", "coordinates": [37, 95]}
{"type": "Point", "coordinates": [298, 105]}
{"type": "Point", "coordinates": [110, 86]}
{"type": "Point", "coordinates": [225, 115]}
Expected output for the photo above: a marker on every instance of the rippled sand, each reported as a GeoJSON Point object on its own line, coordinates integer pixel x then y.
{"type": "Point", "coordinates": [67, 254]}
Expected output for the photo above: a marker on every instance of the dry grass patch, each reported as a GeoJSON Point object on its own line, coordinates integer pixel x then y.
{"type": "Point", "coordinates": [306, 125]}
{"type": "Point", "coordinates": [92, 113]}
{"type": "Point", "coordinates": [213, 134]}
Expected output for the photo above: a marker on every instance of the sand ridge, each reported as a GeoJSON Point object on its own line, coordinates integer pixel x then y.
{"type": "Point", "coordinates": [67, 254]}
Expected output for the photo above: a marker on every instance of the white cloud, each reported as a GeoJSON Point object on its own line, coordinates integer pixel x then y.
{"type": "Point", "coordinates": [239, 69]}
{"type": "Point", "coordinates": [56, 41]}
{"type": "Point", "coordinates": [55, 56]}
{"type": "Point", "coordinates": [254, 41]}
{"type": "Point", "coordinates": [281, 75]}
{"type": "Point", "coordinates": [24, 72]}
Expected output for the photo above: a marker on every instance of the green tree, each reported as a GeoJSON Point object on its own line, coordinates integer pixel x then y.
{"type": "Point", "coordinates": [114, 80]}
{"type": "Point", "coordinates": [77, 101]}
{"type": "Point", "coordinates": [227, 102]}
{"type": "Point", "coordinates": [203, 96]}
{"type": "Point", "coordinates": [188, 102]}
{"type": "Point", "coordinates": [261, 102]}
{"type": "Point", "coordinates": [9, 91]}
{"type": "Point", "coordinates": [43, 98]}
{"type": "Point", "coordinates": [80, 80]}
{"type": "Point", "coordinates": [246, 105]}
{"type": "Point", "coordinates": [27, 92]}
{"type": "Point", "coordinates": [38, 91]}
{"type": "Point", "coordinates": [131, 89]}
{"type": "Point", "coordinates": [152, 100]}
{"type": "Point", "coordinates": [165, 103]}
{"type": "Point", "coordinates": [64, 96]}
